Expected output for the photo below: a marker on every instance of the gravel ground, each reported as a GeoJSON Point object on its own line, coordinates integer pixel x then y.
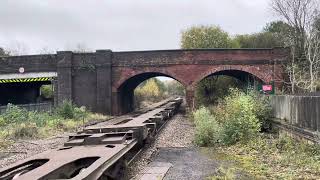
{"type": "Point", "coordinates": [24, 149]}
{"type": "Point", "coordinates": [27, 148]}
{"type": "Point", "coordinates": [177, 133]}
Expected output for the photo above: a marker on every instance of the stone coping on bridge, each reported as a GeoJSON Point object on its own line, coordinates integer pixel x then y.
{"type": "Point", "coordinates": [153, 50]}
{"type": "Point", "coordinates": [28, 75]}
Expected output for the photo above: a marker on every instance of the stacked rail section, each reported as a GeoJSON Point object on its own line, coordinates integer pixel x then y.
{"type": "Point", "coordinates": [95, 152]}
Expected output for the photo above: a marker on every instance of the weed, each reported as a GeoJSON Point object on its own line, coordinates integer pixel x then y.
{"type": "Point", "coordinates": [66, 110]}
{"type": "Point", "coordinates": [207, 129]}
{"type": "Point", "coordinates": [225, 174]}
{"type": "Point", "coordinates": [18, 123]}
{"type": "Point", "coordinates": [25, 130]}
{"type": "Point", "coordinates": [271, 157]}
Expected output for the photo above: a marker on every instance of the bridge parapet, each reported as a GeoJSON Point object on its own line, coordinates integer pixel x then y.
{"type": "Point", "coordinates": [31, 63]}
{"type": "Point", "coordinates": [199, 56]}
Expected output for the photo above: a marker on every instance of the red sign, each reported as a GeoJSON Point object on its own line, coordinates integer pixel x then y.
{"type": "Point", "coordinates": [267, 87]}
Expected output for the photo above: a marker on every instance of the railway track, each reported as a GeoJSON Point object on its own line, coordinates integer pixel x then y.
{"type": "Point", "coordinates": [98, 152]}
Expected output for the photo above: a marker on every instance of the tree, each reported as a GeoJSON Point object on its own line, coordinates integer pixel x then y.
{"type": "Point", "coordinates": [209, 89]}
{"type": "Point", "coordinates": [152, 89]}
{"type": "Point", "coordinates": [4, 52]}
{"type": "Point", "coordinates": [273, 35]}
{"type": "Point", "coordinates": [81, 48]}
{"type": "Point", "coordinates": [174, 88]}
{"type": "Point", "coordinates": [312, 51]}
{"type": "Point", "coordinates": [258, 40]}
{"type": "Point", "coordinates": [18, 48]}
{"type": "Point", "coordinates": [316, 23]}
{"type": "Point", "coordinates": [46, 50]}
{"type": "Point", "coordinates": [213, 88]}
{"type": "Point", "coordinates": [301, 15]}
{"type": "Point", "coordinates": [298, 14]}
{"type": "Point", "coordinates": [276, 27]}
{"type": "Point", "coordinates": [206, 37]}
{"type": "Point", "coordinates": [280, 30]}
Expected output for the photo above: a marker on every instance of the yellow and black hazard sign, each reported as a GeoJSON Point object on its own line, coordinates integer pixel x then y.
{"type": "Point", "coordinates": [25, 80]}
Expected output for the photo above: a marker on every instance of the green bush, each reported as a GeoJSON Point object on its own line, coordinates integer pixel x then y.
{"type": "Point", "coordinates": [39, 118]}
{"type": "Point", "coordinates": [262, 110]}
{"type": "Point", "coordinates": [46, 91]}
{"type": "Point", "coordinates": [80, 113]}
{"type": "Point", "coordinates": [240, 120]}
{"type": "Point", "coordinates": [236, 118]}
{"type": "Point", "coordinates": [18, 123]}
{"type": "Point", "coordinates": [14, 114]}
{"type": "Point", "coordinates": [66, 110]}
{"type": "Point", "coordinates": [207, 128]}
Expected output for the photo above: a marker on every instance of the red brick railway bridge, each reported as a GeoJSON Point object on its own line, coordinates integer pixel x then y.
{"type": "Point", "coordinates": [104, 81]}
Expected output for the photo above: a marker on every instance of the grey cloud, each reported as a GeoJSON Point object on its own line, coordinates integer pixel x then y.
{"type": "Point", "coordinates": [121, 24]}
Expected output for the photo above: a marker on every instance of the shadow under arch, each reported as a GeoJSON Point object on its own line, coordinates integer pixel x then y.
{"type": "Point", "coordinates": [125, 91]}
{"type": "Point", "coordinates": [245, 80]}
{"type": "Point", "coordinates": [239, 73]}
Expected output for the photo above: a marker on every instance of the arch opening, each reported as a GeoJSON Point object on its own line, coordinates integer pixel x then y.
{"type": "Point", "coordinates": [144, 89]}
{"type": "Point", "coordinates": [20, 93]}
{"type": "Point", "coordinates": [216, 85]}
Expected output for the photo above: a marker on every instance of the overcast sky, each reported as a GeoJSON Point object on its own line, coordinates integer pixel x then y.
{"type": "Point", "coordinates": [32, 26]}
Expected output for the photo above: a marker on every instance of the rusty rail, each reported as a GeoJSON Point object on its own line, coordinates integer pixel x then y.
{"type": "Point", "coordinates": [95, 152]}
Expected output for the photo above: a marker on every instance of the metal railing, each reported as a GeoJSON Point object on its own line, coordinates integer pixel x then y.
{"type": "Point", "coordinates": [47, 106]}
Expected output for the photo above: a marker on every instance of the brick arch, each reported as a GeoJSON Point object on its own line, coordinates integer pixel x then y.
{"type": "Point", "coordinates": [161, 72]}
{"type": "Point", "coordinates": [129, 79]}
{"type": "Point", "coordinates": [259, 72]}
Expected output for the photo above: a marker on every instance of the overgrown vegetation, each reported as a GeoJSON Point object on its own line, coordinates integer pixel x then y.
{"type": "Point", "coordinates": [236, 118]}
{"type": "Point", "coordinates": [18, 123]}
{"type": "Point", "coordinates": [207, 127]}
{"type": "Point", "coordinates": [268, 156]}
{"type": "Point", "coordinates": [235, 128]}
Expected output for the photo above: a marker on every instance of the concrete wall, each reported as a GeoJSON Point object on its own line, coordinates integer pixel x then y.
{"type": "Point", "coordinates": [300, 111]}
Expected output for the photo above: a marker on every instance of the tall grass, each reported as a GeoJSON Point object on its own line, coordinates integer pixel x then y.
{"type": "Point", "coordinates": [18, 123]}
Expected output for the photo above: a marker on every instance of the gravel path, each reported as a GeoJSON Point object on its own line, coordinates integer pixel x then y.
{"type": "Point", "coordinates": [187, 163]}
{"type": "Point", "coordinates": [177, 133]}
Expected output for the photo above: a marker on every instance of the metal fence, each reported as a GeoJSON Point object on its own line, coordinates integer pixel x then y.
{"type": "Point", "coordinates": [307, 94]}
{"type": "Point", "coordinates": [300, 111]}
{"type": "Point", "coordinates": [48, 106]}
